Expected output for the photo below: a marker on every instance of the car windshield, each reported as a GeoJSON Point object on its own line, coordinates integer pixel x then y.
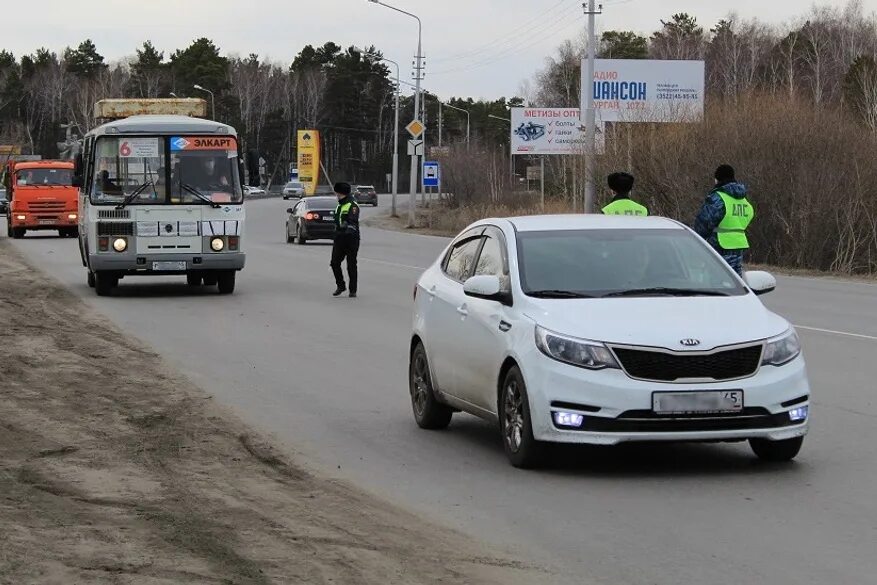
{"type": "Point", "coordinates": [44, 177]}
{"type": "Point", "coordinates": [599, 263]}
{"type": "Point", "coordinates": [139, 171]}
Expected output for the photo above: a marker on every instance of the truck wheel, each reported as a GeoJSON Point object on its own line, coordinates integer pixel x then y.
{"type": "Point", "coordinates": [73, 232]}
{"type": "Point", "coordinates": [104, 283]}
{"type": "Point", "coordinates": [91, 279]}
{"type": "Point", "coordinates": [226, 282]}
{"type": "Point", "coordinates": [8, 228]}
{"type": "Point", "coordinates": [18, 233]}
{"type": "Point", "coordinates": [193, 279]}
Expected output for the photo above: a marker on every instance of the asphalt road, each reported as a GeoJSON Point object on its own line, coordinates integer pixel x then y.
{"type": "Point", "coordinates": [327, 377]}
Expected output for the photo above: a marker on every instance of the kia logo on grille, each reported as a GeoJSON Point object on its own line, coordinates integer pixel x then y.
{"type": "Point", "coordinates": [690, 342]}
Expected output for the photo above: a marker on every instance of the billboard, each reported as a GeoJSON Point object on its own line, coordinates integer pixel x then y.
{"type": "Point", "coordinates": [309, 159]}
{"type": "Point", "coordinates": [549, 131]}
{"type": "Point", "coordinates": [646, 90]}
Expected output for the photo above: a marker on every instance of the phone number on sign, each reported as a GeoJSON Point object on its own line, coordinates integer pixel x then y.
{"type": "Point", "coordinates": [678, 96]}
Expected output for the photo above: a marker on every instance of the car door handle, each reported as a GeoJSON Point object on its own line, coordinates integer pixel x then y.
{"type": "Point", "coordinates": [431, 291]}
{"type": "Point", "coordinates": [462, 310]}
{"type": "Point", "coordinates": [504, 326]}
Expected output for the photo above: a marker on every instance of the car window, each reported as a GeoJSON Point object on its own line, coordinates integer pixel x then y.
{"type": "Point", "coordinates": [600, 262]}
{"type": "Point", "coordinates": [492, 258]}
{"type": "Point", "coordinates": [461, 257]}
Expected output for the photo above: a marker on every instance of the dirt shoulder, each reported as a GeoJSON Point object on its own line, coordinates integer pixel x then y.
{"type": "Point", "coordinates": [115, 469]}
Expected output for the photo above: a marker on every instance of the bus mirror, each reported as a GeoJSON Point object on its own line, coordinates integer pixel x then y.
{"type": "Point", "coordinates": [253, 168]}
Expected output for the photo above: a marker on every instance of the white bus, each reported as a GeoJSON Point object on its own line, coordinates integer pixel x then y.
{"type": "Point", "coordinates": [162, 195]}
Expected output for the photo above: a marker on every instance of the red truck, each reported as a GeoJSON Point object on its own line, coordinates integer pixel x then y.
{"type": "Point", "coordinates": [41, 197]}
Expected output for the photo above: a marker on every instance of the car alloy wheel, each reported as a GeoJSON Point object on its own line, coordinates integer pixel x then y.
{"type": "Point", "coordinates": [429, 413]}
{"type": "Point", "coordinates": [513, 415]}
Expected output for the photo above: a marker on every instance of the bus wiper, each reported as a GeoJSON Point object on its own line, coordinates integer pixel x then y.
{"type": "Point", "coordinates": [133, 195]}
{"type": "Point", "coordinates": [557, 294]}
{"type": "Point", "coordinates": [194, 191]}
{"type": "Point", "coordinates": [669, 291]}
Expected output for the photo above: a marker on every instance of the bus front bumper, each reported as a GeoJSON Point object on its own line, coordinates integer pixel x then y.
{"type": "Point", "coordinates": [125, 263]}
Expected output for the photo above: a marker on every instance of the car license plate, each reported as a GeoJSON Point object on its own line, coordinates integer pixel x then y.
{"type": "Point", "coordinates": [327, 218]}
{"type": "Point", "coordinates": [707, 402]}
{"type": "Point", "coordinates": [176, 266]}
{"type": "Point", "coordinates": [47, 222]}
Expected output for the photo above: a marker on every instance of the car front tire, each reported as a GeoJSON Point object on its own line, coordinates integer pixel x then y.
{"type": "Point", "coordinates": [429, 413]}
{"type": "Point", "coordinates": [779, 451]}
{"type": "Point", "coordinates": [521, 448]}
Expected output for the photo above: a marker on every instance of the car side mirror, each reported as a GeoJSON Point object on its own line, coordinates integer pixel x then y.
{"type": "Point", "coordinates": [289, 210]}
{"type": "Point", "coordinates": [760, 282]}
{"type": "Point", "coordinates": [486, 286]}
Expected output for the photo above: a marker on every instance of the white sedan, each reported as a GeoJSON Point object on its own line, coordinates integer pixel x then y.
{"type": "Point", "coordinates": [253, 190]}
{"type": "Point", "coordinates": [602, 330]}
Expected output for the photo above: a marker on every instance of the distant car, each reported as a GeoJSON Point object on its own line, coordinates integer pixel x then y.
{"type": "Point", "coordinates": [293, 189]}
{"type": "Point", "coordinates": [312, 218]}
{"type": "Point", "coordinates": [366, 194]}
{"type": "Point", "coordinates": [253, 190]}
{"type": "Point", "coordinates": [4, 203]}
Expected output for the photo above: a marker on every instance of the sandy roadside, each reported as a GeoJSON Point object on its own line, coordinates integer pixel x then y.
{"type": "Point", "coordinates": [115, 469]}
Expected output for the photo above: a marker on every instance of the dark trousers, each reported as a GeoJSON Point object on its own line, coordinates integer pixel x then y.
{"type": "Point", "coordinates": [345, 246]}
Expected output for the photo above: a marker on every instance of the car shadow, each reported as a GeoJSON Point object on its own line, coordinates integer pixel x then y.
{"type": "Point", "coordinates": [633, 460]}
{"type": "Point", "coordinates": [170, 289]}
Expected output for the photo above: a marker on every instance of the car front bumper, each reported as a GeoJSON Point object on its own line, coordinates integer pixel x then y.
{"type": "Point", "coordinates": [141, 264]}
{"type": "Point", "coordinates": [618, 409]}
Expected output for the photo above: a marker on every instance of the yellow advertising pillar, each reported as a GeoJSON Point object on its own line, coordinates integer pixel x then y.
{"type": "Point", "coordinates": [309, 159]}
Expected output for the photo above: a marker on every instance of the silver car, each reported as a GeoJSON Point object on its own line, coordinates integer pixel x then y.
{"type": "Point", "coordinates": [293, 189]}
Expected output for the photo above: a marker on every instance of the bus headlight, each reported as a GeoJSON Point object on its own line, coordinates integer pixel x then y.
{"type": "Point", "coordinates": [120, 244]}
{"type": "Point", "coordinates": [217, 244]}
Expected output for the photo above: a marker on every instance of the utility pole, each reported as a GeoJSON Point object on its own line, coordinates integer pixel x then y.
{"type": "Point", "coordinates": [590, 113]}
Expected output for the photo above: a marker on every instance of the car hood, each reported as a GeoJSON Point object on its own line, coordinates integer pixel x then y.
{"type": "Point", "coordinates": [660, 321]}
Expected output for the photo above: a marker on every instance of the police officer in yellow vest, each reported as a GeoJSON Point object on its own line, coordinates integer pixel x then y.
{"type": "Point", "coordinates": [621, 185]}
{"type": "Point", "coordinates": [724, 217]}
{"type": "Point", "coordinates": [346, 244]}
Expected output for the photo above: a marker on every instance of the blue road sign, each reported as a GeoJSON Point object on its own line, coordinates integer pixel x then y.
{"type": "Point", "coordinates": [430, 174]}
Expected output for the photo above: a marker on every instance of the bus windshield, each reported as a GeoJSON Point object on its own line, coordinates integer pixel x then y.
{"type": "Point", "coordinates": [164, 170]}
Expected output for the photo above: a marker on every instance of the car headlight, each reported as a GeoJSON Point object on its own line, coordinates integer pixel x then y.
{"type": "Point", "coordinates": [577, 352]}
{"type": "Point", "coordinates": [781, 350]}
{"type": "Point", "coordinates": [216, 244]}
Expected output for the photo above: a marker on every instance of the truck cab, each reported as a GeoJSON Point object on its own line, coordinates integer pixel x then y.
{"type": "Point", "coordinates": [41, 197]}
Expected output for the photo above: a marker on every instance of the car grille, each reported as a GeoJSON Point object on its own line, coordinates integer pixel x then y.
{"type": "Point", "coordinates": [662, 366]}
{"type": "Point", "coordinates": [46, 206]}
{"type": "Point", "coordinates": [115, 228]}
{"type": "Point", "coordinates": [645, 421]}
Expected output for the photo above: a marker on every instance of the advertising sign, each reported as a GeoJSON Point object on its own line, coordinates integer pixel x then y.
{"type": "Point", "coordinates": [309, 160]}
{"type": "Point", "coordinates": [140, 148]}
{"type": "Point", "coordinates": [646, 90]}
{"type": "Point", "coordinates": [549, 131]}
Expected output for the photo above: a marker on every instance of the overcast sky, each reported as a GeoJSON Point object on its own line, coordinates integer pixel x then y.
{"type": "Point", "coordinates": [478, 48]}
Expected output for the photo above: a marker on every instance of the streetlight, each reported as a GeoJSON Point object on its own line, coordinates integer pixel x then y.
{"type": "Point", "coordinates": [412, 194]}
{"type": "Point", "coordinates": [212, 101]}
{"type": "Point", "coordinates": [511, 156]}
{"type": "Point", "coordinates": [467, 121]}
{"type": "Point", "coordinates": [395, 132]}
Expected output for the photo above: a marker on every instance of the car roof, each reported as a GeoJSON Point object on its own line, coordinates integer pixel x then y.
{"type": "Point", "coordinates": [593, 221]}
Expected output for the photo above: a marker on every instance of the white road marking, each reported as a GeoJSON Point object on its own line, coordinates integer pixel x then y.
{"type": "Point", "coordinates": [421, 268]}
{"type": "Point", "coordinates": [833, 332]}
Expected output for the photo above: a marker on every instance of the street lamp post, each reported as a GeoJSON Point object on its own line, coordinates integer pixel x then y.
{"type": "Point", "coordinates": [511, 156]}
{"type": "Point", "coordinates": [467, 121]}
{"type": "Point", "coordinates": [212, 100]}
{"type": "Point", "coordinates": [395, 133]}
{"type": "Point", "coordinates": [412, 192]}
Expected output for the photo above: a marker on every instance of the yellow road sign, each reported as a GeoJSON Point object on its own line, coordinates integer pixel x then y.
{"type": "Point", "coordinates": [415, 128]}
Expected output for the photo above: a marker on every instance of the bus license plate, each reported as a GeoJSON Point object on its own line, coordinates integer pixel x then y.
{"type": "Point", "coordinates": [711, 402]}
{"type": "Point", "coordinates": [175, 266]}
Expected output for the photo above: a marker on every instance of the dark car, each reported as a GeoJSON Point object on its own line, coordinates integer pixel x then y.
{"type": "Point", "coordinates": [366, 194]}
{"type": "Point", "coordinates": [312, 218]}
{"type": "Point", "coordinates": [4, 203]}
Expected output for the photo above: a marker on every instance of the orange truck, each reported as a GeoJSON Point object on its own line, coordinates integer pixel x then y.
{"type": "Point", "coordinates": [41, 197]}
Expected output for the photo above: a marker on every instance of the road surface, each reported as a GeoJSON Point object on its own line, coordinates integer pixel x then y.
{"type": "Point", "coordinates": [328, 378]}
